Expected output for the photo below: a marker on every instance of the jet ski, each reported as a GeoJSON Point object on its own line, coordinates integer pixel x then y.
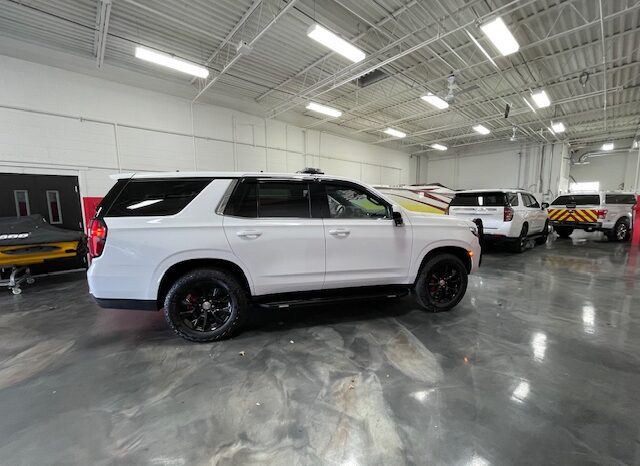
{"type": "Point", "coordinates": [26, 241]}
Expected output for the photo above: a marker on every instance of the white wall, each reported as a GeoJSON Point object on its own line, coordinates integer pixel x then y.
{"type": "Point", "coordinates": [537, 168]}
{"type": "Point", "coordinates": [613, 171]}
{"type": "Point", "coordinates": [58, 121]}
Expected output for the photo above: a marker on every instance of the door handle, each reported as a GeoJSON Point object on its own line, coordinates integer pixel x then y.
{"type": "Point", "coordinates": [249, 234]}
{"type": "Point", "coordinates": [341, 232]}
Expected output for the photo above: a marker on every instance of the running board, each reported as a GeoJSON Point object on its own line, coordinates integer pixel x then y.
{"type": "Point", "coordinates": [328, 299]}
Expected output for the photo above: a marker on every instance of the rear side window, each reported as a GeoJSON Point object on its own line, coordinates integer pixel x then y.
{"type": "Point", "coordinates": [488, 199]}
{"type": "Point", "coordinates": [270, 199]}
{"type": "Point", "coordinates": [150, 198]}
{"type": "Point", "coordinates": [577, 199]}
{"type": "Point", "coordinates": [513, 199]}
{"type": "Point", "coordinates": [620, 199]}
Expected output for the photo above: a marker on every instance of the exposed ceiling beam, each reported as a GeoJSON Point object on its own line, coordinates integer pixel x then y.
{"type": "Point", "coordinates": [253, 41]}
{"type": "Point", "coordinates": [102, 30]}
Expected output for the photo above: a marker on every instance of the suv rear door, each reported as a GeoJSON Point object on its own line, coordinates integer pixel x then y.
{"type": "Point", "coordinates": [486, 205]}
{"type": "Point", "coordinates": [269, 226]}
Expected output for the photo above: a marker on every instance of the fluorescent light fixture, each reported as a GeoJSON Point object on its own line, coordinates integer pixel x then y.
{"type": "Point", "coordinates": [171, 62]}
{"type": "Point", "coordinates": [541, 99]}
{"type": "Point", "coordinates": [499, 34]}
{"type": "Point", "coordinates": [481, 129]}
{"type": "Point", "coordinates": [558, 127]}
{"type": "Point", "coordinates": [486, 54]}
{"type": "Point", "coordinates": [439, 147]}
{"type": "Point", "coordinates": [435, 101]}
{"type": "Point", "coordinates": [634, 145]}
{"type": "Point", "coordinates": [607, 146]}
{"type": "Point", "coordinates": [529, 104]}
{"type": "Point", "coordinates": [335, 43]}
{"type": "Point", "coordinates": [395, 133]}
{"type": "Point", "coordinates": [324, 109]}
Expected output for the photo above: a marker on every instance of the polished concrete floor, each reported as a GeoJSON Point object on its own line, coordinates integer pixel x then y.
{"type": "Point", "coordinates": [539, 364]}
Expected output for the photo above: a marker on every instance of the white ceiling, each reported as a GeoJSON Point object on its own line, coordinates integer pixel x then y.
{"type": "Point", "coordinates": [416, 44]}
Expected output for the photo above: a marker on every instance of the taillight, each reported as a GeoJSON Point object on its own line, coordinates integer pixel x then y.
{"type": "Point", "coordinates": [97, 237]}
{"type": "Point", "coordinates": [602, 213]}
{"type": "Point", "coordinates": [508, 214]}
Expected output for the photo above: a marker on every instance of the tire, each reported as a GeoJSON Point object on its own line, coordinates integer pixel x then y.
{"type": "Point", "coordinates": [542, 239]}
{"type": "Point", "coordinates": [621, 231]}
{"type": "Point", "coordinates": [206, 305]}
{"type": "Point", "coordinates": [564, 232]}
{"type": "Point", "coordinates": [436, 269]}
{"type": "Point", "coordinates": [520, 243]}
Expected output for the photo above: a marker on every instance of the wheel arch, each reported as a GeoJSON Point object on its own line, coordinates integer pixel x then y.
{"type": "Point", "coordinates": [180, 268]}
{"type": "Point", "coordinates": [457, 251]}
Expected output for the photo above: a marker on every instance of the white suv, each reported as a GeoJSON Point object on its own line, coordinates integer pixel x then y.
{"type": "Point", "coordinates": [207, 245]}
{"type": "Point", "coordinates": [509, 215]}
{"type": "Point", "coordinates": [610, 212]}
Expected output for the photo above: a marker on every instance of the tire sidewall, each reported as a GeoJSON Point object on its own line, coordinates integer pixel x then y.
{"type": "Point", "coordinates": [216, 277]}
{"type": "Point", "coordinates": [614, 234]}
{"type": "Point", "coordinates": [422, 294]}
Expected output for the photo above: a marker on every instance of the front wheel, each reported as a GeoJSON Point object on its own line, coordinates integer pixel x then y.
{"type": "Point", "coordinates": [542, 239]}
{"type": "Point", "coordinates": [441, 283]}
{"type": "Point", "coordinates": [206, 305]}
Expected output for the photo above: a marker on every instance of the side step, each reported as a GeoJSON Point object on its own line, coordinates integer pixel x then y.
{"type": "Point", "coordinates": [320, 300]}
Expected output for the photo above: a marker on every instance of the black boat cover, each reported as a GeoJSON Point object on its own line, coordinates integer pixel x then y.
{"type": "Point", "coordinates": [33, 229]}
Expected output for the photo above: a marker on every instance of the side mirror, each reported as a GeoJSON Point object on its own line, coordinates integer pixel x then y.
{"type": "Point", "coordinates": [397, 218]}
{"type": "Point", "coordinates": [545, 205]}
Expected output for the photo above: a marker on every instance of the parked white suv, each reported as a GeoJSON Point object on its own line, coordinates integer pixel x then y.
{"type": "Point", "coordinates": [206, 245]}
{"type": "Point", "coordinates": [610, 212]}
{"type": "Point", "coordinates": [510, 215]}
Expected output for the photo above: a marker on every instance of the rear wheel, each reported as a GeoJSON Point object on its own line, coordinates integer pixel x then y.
{"type": "Point", "coordinates": [441, 283]}
{"type": "Point", "coordinates": [621, 231]}
{"type": "Point", "coordinates": [206, 305]}
{"type": "Point", "coordinates": [520, 243]}
{"type": "Point", "coordinates": [542, 239]}
{"type": "Point", "coordinates": [564, 232]}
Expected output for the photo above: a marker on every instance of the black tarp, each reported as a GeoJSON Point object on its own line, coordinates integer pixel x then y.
{"type": "Point", "coordinates": [33, 229]}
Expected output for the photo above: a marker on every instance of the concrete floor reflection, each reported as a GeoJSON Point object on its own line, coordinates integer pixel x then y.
{"type": "Point", "coordinates": [539, 364]}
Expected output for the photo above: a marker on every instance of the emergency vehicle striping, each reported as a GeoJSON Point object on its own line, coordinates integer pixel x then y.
{"type": "Point", "coordinates": [573, 215]}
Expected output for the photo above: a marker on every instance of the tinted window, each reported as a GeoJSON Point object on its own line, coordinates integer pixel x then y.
{"type": "Point", "coordinates": [513, 199]}
{"type": "Point", "coordinates": [620, 199]}
{"type": "Point", "coordinates": [488, 199]}
{"type": "Point", "coordinates": [352, 202]}
{"type": "Point", "coordinates": [283, 199]}
{"type": "Point", "coordinates": [577, 199]}
{"type": "Point", "coordinates": [141, 198]}
{"type": "Point", "coordinates": [530, 201]}
{"type": "Point", "coordinates": [244, 200]}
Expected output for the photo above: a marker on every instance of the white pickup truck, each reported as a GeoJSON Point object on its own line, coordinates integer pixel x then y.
{"type": "Point", "coordinates": [205, 246]}
{"type": "Point", "coordinates": [609, 212]}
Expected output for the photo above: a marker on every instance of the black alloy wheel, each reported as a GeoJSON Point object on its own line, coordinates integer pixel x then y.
{"type": "Point", "coordinates": [206, 305]}
{"type": "Point", "coordinates": [441, 283]}
{"type": "Point", "coordinates": [444, 283]}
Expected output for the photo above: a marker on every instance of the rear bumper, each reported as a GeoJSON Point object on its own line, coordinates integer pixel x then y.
{"type": "Point", "coordinates": [578, 225]}
{"type": "Point", "coordinates": [132, 304]}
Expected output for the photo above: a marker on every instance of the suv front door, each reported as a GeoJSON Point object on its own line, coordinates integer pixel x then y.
{"type": "Point", "coordinates": [363, 245]}
{"type": "Point", "coordinates": [534, 214]}
{"type": "Point", "coordinates": [269, 227]}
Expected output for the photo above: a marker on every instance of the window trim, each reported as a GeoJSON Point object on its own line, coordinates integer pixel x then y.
{"type": "Point", "coordinates": [57, 194]}
{"type": "Point", "coordinates": [17, 205]}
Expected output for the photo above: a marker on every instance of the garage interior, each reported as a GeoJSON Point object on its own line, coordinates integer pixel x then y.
{"type": "Point", "coordinates": [539, 363]}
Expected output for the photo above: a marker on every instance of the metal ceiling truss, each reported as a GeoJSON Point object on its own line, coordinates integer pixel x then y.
{"type": "Point", "coordinates": [585, 53]}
